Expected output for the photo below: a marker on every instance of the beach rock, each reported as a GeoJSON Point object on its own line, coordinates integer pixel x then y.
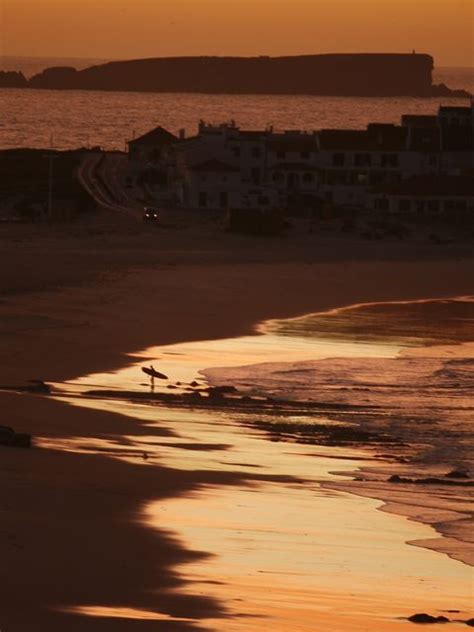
{"type": "Point", "coordinates": [38, 386]}
{"type": "Point", "coordinates": [395, 478]}
{"type": "Point", "coordinates": [470, 623]}
{"type": "Point", "coordinates": [221, 389]}
{"type": "Point", "coordinates": [427, 618]}
{"type": "Point", "coordinates": [214, 394]}
{"type": "Point", "coordinates": [457, 474]}
{"type": "Point", "coordinates": [12, 439]}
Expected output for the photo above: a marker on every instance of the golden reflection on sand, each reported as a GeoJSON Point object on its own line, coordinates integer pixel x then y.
{"type": "Point", "coordinates": [183, 362]}
{"type": "Point", "coordinates": [122, 613]}
{"type": "Point", "coordinates": [297, 557]}
{"type": "Point", "coordinates": [285, 556]}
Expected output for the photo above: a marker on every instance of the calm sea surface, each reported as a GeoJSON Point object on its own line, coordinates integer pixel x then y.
{"type": "Point", "coordinates": [82, 118]}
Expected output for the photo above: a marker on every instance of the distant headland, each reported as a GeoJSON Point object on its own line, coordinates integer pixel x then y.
{"type": "Point", "coordinates": [371, 75]}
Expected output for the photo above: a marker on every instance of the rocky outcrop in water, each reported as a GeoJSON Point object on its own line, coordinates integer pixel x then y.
{"type": "Point", "coordinates": [332, 75]}
{"type": "Point", "coordinates": [12, 80]}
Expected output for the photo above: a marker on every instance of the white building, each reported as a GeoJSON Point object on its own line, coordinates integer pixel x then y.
{"type": "Point", "coordinates": [224, 167]}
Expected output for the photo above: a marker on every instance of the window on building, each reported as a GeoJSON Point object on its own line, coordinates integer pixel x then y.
{"type": "Point", "coordinates": [382, 204]}
{"type": "Point", "coordinates": [263, 200]}
{"type": "Point", "coordinates": [389, 160]}
{"type": "Point", "coordinates": [404, 205]}
{"type": "Point", "coordinates": [338, 160]}
{"type": "Point", "coordinates": [202, 198]}
{"type": "Point", "coordinates": [255, 175]}
{"type": "Point", "coordinates": [455, 205]}
{"type": "Point", "coordinates": [236, 151]}
{"type": "Point", "coordinates": [305, 155]}
{"type": "Point", "coordinates": [362, 160]}
{"type": "Point", "coordinates": [224, 199]}
{"type": "Point", "coordinates": [420, 206]}
{"type": "Point", "coordinates": [433, 161]}
{"type": "Point", "coordinates": [278, 176]}
{"type": "Point", "coordinates": [308, 177]}
{"type": "Point", "coordinates": [292, 180]}
{"type": "Point", "coordinates": [203, 178]}
{"type": "Point", "coordinates": [256, 152]}
{"type": "Point", "coordinates": [281, 155]}
{"type": "Point", "coordinates": [433, 206]}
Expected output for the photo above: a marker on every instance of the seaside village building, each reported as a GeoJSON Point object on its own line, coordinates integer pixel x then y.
{"type": "Point", "coordinates": [423, 166]}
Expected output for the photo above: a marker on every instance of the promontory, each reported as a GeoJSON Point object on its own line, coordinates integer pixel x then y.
{"type": "Point", "coordinates": [383, 75]}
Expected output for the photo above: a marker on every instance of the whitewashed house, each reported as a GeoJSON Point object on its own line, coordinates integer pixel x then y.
{"type": "Point", "coordinates": [224, 167]}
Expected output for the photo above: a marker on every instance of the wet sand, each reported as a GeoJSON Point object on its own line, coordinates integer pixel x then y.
{"type": "Point", "coordinates": [72, 523]}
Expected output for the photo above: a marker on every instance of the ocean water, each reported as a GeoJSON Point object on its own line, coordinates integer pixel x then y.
{"type": "Point", "coordinates": [82, 118]}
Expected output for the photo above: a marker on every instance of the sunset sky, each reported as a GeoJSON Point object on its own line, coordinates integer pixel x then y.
{"type": "Point", "coordinates": [148, 28]}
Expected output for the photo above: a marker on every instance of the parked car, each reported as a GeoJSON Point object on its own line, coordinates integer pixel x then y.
{"type": "Point", "coordinates": [150, 214]}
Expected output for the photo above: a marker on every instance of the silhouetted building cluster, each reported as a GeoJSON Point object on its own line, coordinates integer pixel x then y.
{"type": "Point", "coordinates": [424, 165]}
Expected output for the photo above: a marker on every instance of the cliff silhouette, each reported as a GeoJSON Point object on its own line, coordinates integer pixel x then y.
{"type": "Point", "coordinates": [336, 75]}
{"type": "Point", "coordinates": [9, 79]}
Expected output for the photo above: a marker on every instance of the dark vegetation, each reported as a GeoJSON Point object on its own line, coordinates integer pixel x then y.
{"type": "Point", "coordinates": [24, 185]}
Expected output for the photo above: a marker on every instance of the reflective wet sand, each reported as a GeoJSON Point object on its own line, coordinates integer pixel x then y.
{"type": "Point", "coordinates": [286, 552]}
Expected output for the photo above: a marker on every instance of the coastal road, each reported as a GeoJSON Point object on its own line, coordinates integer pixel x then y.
{"type": "Point", "coordinates": [99, 174]}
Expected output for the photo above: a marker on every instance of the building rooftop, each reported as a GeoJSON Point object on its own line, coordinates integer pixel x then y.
{"type": "Point", "coordinates": [419, 120]}
{"type": "Point", "coordinates": [375, 138]}
{"type": "Point", "coordinates": [157, 136]}
{"type": "Point", "coordinates": [455, 109]}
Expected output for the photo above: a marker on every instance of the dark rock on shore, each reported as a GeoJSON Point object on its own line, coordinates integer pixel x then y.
{"type": "Point", "coordinates": [12, 439]}
{"type": "Point", "coordinates": [427, 481]}
{"type": "Point", "coordinates": [427, 618]}
{"type": "Point", "coordinates": [457, 474]}
{"type": "Point", "coordinates": [38, 386]}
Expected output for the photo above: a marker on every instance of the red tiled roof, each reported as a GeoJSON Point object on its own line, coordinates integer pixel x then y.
{"type": "Point", "coordinates": [157, 136]}
{"type": "Point", "coordinates": [430, 186]}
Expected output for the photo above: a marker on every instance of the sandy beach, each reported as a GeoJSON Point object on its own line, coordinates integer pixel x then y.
{"type": "Point", "coordinates": [81, 299]}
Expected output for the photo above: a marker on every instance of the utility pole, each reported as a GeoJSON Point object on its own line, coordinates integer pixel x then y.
{"type": "Point", "coordinates": [51, 158]}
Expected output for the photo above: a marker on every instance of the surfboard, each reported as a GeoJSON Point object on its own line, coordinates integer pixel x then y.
{"type": "Point", "coordinates": [153, 373]}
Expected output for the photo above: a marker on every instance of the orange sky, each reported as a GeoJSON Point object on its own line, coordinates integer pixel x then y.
{"type": "Point", "coordinates": [147, 28]}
